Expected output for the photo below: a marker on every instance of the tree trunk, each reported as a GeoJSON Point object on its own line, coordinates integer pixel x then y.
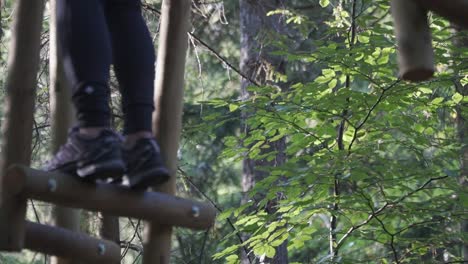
{"type": "Point", "coordinates": [462, 129]}
{"type": "Point", "coordinates": [462, 135]}
{"type": "Point", "coordinates": [20, 86]}
{"type": "Point", "coordinates": [1, 26]}
{"type": "Point", "coordinates": [61, 119]}
{"type": "Point", "coordinates": [259, 64]}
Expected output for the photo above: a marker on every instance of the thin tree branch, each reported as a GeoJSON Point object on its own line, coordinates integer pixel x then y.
{"type": "Point", "coordinates": [209, 48]}
{"type": "Point", "coordinates": [184, 174]}
{"type": "Point", "coordinates": [371, 110]}
{"type": "Point", "coordinates": [392, 239]}
{"type": "Point", "coordinates": [377, 212]}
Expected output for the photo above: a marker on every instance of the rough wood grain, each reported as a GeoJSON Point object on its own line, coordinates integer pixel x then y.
{"type": "Point", "coordinates": [17, 128]}
{"type": "Point", "coordinates": [64, 243]}
{"type": "Point", "coordinates": [66, 190]}
{"type": "Point", "coordinates": [168, 119]}
{"type": "Point", "coordinates": [415, 52]}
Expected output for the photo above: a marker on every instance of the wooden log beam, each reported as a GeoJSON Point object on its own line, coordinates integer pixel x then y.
{"type": "Point", "coordinates": [454, 10]}
{"type": "Point", "coordinates": [167, 121]}
{"type": "Point", "coordinates": [415, 52]}
{"type": "Point", "coordinates": [66, 190]}
{"type": "Point", "coordinates": [18, 109]}
{"type": "Point", "coordinates": [61, 115]}
{"type": "Point", "coordinates": [64, 243]}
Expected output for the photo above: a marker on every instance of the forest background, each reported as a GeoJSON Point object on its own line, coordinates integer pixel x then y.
{"type": "Point", "coordinates": [297, 129]}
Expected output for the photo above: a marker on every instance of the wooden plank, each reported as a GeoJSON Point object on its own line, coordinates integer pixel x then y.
{"type": "Point", "coordinates": [64, 243]}
{"type": "Point", "coordinates": [66, 190]}
{"type": "Point", "coordinates": [415, 52]}
{"type": "Point", "coordinates": [167, 122]}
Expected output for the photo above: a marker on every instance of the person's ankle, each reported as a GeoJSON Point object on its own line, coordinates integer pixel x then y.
{"type": "Point", "coordinates": [132, 138]}
{"type": "Point", "coordinates": [91, 132]}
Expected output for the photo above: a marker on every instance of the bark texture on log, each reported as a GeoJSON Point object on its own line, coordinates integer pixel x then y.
{"type": "Point", "coordinates": [20, 85]}
{"type": "Point", "coordinates": [66, 190]}
{"type": "Point", "coordinates": [414, 39]}
{"type": "Point", "coordinates": [61, 112]}
{"type": "Point", "coordinates": [70, 245]}
{"type": "Point", "coordinates": [167, 122]}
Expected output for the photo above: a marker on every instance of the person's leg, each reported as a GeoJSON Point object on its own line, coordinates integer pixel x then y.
{"type": "Point", "coordinates": [92, 150]}
{"type": "Point", "coordinates": [133, 58]}
{"type": "Point", "coordinates": [87, 55]}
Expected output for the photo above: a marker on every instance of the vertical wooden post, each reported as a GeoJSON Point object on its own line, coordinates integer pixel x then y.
{"type": "Point", "coordinates": [167, 121]}
{"type": "Point", "coordinates": [415, 53]}
{"type": "Point", "coordinates": [20, 85]}
{"type": "Point", "coordinates": [61, 119]}
{"type": "Point", "coordinates": [110, 228]}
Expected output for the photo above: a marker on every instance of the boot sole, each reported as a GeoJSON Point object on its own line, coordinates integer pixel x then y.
{"type": "Point", "coordinates": [101, 171]}
{"type": "Point", "coordinates": [143, 180]}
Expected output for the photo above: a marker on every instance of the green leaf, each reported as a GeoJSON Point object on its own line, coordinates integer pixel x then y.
{"type": "Point", "coordinates": [328, 73]}
{"type": "Point", "coordinates": [225, 214]}
{"type": "Point", "coordinates": [363, 39]}
{"type": "Point", "coordinates": [264, 250]}
{"type": "Point", "coordinates": [270, 251]}
{"type": "Point", "coordinates": [383, 60]}
{"type": "Point", "coordinates": [232, 259]}
{"type": "Point", "coordinates": [233, 107]}
{"type": "Point", "coordinates": [276, 138]}
{"type": "Point", "coordinates": [425, 90]}
{"type": "Point", "coordinates": [332, 83]}
{"type": "Point", "coordinates": [457, 98]}
{"type": "Point", "coordinates": [228, 250]}
{"type": "Point", "coordinates": [324, 3]}
{"type": "Point", "coordinates": [322, 79]}
{"type": "Point", "coordinates": [437, 100]}
{"type": "Point", "coordinates": [359, 57]}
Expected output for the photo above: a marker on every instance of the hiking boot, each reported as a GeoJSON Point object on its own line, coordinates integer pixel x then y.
{"type": "Point", "coordinates": [144, 164]}
{"type": "Point", "coordinates": [90, 158]}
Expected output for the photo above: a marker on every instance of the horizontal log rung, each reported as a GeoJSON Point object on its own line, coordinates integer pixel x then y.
{"type": "Point", "coordinates": [66, 190]}
{"type": "Point", "coordinates": [64, 243]}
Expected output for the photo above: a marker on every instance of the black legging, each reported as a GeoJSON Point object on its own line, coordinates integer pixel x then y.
{"type": "Point", "coordinates": [94, 34]}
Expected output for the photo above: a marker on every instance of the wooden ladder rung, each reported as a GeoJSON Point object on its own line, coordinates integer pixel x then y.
{"type": "Point", "coordinates": [66, 190]}
{"type": "Point", "coordinates": [64, 243]}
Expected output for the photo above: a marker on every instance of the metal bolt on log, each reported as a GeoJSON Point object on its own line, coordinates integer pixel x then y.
{"type": "Point", "coordinates": [195, 211]}
{"type": "Point", "coordinates": [101, 249]}
{"type": "Point", "coordinates": [52, 185]}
